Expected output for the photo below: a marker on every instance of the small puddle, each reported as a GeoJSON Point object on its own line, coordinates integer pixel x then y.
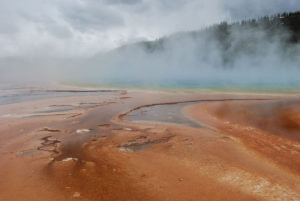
{"type": "Point", "coordinates": [168, 113]}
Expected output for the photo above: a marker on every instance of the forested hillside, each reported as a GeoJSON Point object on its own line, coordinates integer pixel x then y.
{"type": "Point", "coordinates": [236, 38]}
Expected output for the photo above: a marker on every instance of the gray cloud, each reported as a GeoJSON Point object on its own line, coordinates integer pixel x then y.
{"type": "Point", "coordinates": [127, 2]}
{"type": "Point", "coordinates": [91, 16]}
{"type": "Point", "coordinates": [72, 28]}
{"type": "Point", "coordinates": [250, 9]}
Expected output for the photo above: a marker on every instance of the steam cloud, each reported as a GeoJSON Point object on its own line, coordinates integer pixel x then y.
{"type": "Point", "coordinates": [60, 40]}
{"type": "Point", "coordinates": [246, 56]}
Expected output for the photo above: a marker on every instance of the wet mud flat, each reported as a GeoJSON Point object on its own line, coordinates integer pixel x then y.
{"type": "Point", "coordinates": [118, 151]}
{"type": "Point", "coordinates": [166, 113]}
{"type": "Point", "coordinates": [63, 108]}
{"type": "Point", "coordinates": [172, 112]}
{"type": "Point", "coordinates": [9, 96]}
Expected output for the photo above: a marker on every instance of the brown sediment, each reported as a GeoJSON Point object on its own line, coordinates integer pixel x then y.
{"type": "Point", "coordinates": [50, 130]}
{"type": "Point", "coordinates": [104, 125]}
{"type": "Point", "coordinates": [122, 160]}
{"type": "Point", "coordinates": [270, 128]}
{"type": "Point", "coordinates": [49, 144]}
{"type": "Point", "coordinates": [74, 115]}
{"type": "Point", "coordinates": [142, 142]}
{"type": "Point", "coordinates": [125, 97]}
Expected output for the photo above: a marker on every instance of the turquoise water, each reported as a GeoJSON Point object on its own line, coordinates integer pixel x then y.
{"type": "Point", "coordinates": [190, 85]}
{"type": "Point", "coordinates": [13, 95]}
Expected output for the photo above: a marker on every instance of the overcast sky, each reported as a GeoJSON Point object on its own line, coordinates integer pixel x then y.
{"type": "Point", "coordinates": [71, 28]}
